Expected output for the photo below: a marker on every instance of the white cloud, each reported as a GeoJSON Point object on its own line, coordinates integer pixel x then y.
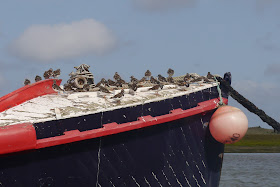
{"type": "Point", "coordinates": [158, 5]}
{"type": "Point", "coordinates": [61, 41]}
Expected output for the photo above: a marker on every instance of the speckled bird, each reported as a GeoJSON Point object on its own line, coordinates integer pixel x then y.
{"type": "Point", "coordinates": [103, 89]}
{"type": "Point", "coordinates": [143, 79]}
{"type": "Point", "coordinates": [117, 76]}
{"type": "Point", "coordinates": [148, 74]}
{"type": "Point", "coordinates": [209, 76]}
{"type": "Point", "coordinates": [67, 87]}
{"type": "Point", "coordinates": [48, 73]}
{"type": "Point", "coordinates": [161, 78]}
{"type": "Point", "coordinates": [120, 83]}
{"type": "Point", "coordinates": [119, 95]}
{"type": "Point", "coordinates": [133, 80]}
{"type": "Point", "coordinates": [27, 82]}
{"type": "Point", "coordinates": [170, 79]}
{"type": "Point", "coordinates": [111, 82]}
{"type": "Point", "coordinates": [133, 86]}
{"type": "Point", "coordinates": [156, 87]}
{"type": "Point", "coordinates": [56, 87]}
{"type": "Point", "coordinates": [56, 73]}
{"type": "Point", "coordinates": [187, 78]}
{"type": "Point", "coordinates": [170, 72]}
{"type": "Point", "coordinates": [102, 82]}
{"type": "Point", "coordinates": [38, 78]}
{"type": "Point", "coordinates": [154, 81]}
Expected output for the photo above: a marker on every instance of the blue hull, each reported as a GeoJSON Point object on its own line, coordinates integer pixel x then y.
{"type": "Point", "coordinates": [177, 153]}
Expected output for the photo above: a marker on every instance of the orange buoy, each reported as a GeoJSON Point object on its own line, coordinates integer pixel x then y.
{"type": "Point", "coordinates": [228, 124]}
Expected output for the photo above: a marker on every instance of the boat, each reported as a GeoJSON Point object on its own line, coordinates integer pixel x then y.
{"type": "Point", "coordinates": [148, 136]}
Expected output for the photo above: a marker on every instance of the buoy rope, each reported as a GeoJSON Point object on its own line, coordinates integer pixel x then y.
{"type": "Point", "coordinates": [221, 103]}
{"type": "Point", "coordinates": [249, 105]}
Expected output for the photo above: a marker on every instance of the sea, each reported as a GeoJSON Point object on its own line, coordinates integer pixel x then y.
{"type": "Point", "coordinates": [251, 169]}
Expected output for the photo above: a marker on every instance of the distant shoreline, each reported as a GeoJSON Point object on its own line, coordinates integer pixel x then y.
{"type": "Point", "coordinates": [257, 140]}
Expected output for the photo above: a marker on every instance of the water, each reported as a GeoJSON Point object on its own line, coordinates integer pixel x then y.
{"type": "Point", "coordinates": [251, 169]}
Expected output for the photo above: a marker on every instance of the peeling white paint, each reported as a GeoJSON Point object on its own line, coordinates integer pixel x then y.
{"type": "Point", "coordinates": [70, 105]}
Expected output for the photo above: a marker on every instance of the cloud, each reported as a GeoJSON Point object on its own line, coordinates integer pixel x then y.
{"type": "Point", "coordinates": [159, 5]}
{"type": "Point", "coordinates": [62, 41]}
{"type": "Point", "coordinates": [272, 69]}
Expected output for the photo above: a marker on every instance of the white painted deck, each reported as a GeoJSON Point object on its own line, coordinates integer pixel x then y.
{"type": "Point", "coordinates": [67, 105]}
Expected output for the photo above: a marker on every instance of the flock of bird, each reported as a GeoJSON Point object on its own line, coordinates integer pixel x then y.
{"type": "Point", "coordinates": [47, 75]}
{"type": "Point", "coordinates": [104, 86]}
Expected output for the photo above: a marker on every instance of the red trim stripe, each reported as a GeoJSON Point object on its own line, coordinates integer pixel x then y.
{"type": "Point", "coordinates": [114, 128]}
{"type": "Point", "coordinates": [26, 93]}
{"type": "Point", "coordinates": [22, 137]}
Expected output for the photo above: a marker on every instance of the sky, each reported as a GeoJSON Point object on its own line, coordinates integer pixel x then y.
{"type": "Point", "coordinates": [129, 37]}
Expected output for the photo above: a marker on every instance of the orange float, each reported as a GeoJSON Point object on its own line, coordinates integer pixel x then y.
{"type": "Point", "coordinates": [228, 124]}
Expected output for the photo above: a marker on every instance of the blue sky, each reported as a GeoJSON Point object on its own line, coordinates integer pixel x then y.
{"type": "Point", "coordinates": [132, 36]}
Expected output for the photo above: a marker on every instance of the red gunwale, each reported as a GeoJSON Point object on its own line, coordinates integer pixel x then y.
{"type": "Point", "coordinates": [27, 131]}
{"type": "Point", "coordinates": [27, 92]}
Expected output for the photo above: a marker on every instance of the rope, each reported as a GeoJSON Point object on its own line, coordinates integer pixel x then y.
{"type": "Point", "coordinates": [221, 102]}
{"type": "Point", "coordinates": [249, 105]}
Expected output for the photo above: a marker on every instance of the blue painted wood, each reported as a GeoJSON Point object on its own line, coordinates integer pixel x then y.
{"type": "Point", "coordinates": [177, 153]}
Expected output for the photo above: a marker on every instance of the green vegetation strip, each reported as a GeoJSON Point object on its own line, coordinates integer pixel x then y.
{"type": "Point", "coordinates": [256, 141]}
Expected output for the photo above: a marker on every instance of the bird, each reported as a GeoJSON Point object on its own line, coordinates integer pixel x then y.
{"type": "Point", "coordinates": [56, 73]}
{"type": "Point", "coordinates": [170, 72]}
{"type": "Point", "coordinates": [111, 82]}
{"type": "Point", "coordinates": [27, 82]}
{"type": "Point", "coordinates": [103, 89]}
{"type": "Point", "coordinates": [161, 78]}
{"type": "Point", "coordinates": [209, 76]}
{"type": "Point", "coordinates": [181, 83]}
{"type": "Point", "coordinates": [200, 80]}
{"type": "Point", "coordinates": [142, 80]}
{"type": "Point", "coordinates": [38, 78]}
{"type": "Point", "coordinates": [118, 96]}
{"type": "Point", "coordinates": [67, 87]}
{"type": "Point", "coordinates": [194, 75]}
{"type": "Point", "coordinates": [102, 82]}
{"type": "Point", "coordinates": [132, 88]}
{"type": "Point", "coordinates": [119, 83]}
{"type": "Point", "coordinates": [82, 68]}
{"type": "Point", "coordinates": [170, 79]}
{"type": "Point", "coordinates": [56, 87]}
{"type": "Point", "coordinates": [48, 73]}
{"type": "Point", "coordinates": [133, 80]}
{"type": "Point", "coordinates": [117, 76]}
{"type": "Point", "coordinates": [187, 78]}
{"type": "Point", "coordinates": [148, 74]}
{"type": "Point", "coordinates": [197, 79]}
{"type": "Point", "coordinates": [156, 87]}
{"type": "Point", "coordinates": [154, 81]}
